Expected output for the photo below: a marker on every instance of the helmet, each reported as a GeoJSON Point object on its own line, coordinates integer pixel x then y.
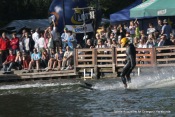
{"type": "Point", "coordinates": [124, 41]}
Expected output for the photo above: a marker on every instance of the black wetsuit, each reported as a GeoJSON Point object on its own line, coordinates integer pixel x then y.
{"type": "Point", "coordinates": [131, 63]}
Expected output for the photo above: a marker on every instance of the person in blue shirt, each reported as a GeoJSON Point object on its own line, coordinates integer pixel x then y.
{"type": "Point", "coordinates": [64, 38]}
{"type": "Point", "coordinates": [35, 59]}
{"type": "Point", "coordinates": [71, 40]}
{"type": "Point", "coordinates": [166, 29]}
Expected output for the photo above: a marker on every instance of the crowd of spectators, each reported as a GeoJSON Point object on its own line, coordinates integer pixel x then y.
{"type": "Point", "coordinates": [154, 36]}
{"type": "Point", "coordinates": [40, 49]}
{"type": "Point", "coordinates": [53, 51]}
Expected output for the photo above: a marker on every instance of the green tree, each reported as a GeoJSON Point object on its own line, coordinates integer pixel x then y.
{"type": "Point", "coordinates": [23, 9]}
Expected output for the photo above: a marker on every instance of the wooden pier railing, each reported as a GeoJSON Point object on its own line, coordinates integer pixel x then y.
{"type": "Point", "coordinates": [111, 59]}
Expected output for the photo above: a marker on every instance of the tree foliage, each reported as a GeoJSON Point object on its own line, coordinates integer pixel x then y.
{"type": "Point", "coordinates": [23, 9]}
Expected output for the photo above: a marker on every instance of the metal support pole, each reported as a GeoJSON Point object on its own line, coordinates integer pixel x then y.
{"type": "Point", "coordinates": [138, 71]}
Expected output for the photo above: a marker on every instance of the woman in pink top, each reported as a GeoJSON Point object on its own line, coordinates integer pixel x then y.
{"type": "Point", "coordinates": [46, 38]}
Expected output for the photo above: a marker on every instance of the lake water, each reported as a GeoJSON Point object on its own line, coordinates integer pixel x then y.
{"type": "Point", "coordinates": [148, 95]}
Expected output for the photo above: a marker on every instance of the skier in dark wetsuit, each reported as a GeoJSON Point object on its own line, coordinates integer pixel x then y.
{"type": "Point", "coordinates": [131, 61]}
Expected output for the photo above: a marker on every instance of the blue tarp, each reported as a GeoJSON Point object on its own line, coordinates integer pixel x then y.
{"type": "Point", "coordinates": [17, 25]}
{"type": "Point", "coordinates": [124, 14]}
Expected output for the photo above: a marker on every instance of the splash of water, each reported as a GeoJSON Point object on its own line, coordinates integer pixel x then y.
{"type": "Point", "coordinates": [153, 78]}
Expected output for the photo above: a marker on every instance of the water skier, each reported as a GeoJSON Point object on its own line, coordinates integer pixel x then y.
{"type": "Point", "coordinates": [131, 61]}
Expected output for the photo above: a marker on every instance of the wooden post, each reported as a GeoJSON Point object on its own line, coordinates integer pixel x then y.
{"type": "Point", "coordinates": [138, 71]}
{"type": "Point", "coordinates": [113, 60]}
{"type": "Point", "coordinates": [153, 57]}
{"type": "Point", "coordinates": [94, 55]}
{"type": "Point", "coordinates": [75, 60]}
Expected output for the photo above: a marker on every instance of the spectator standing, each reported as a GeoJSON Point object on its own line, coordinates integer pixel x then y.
{"type": "Point", "coordinates": [126, 27]}
{"type": "Point", "coordinates": [35, 37]}
{"type": "Point", "coordinates": [50, 44]}
{"type": "Point", "coordinates": [108, 33]}
{"type": "Point", "coordinates": [21, 48]}
{"type": "Point", "coordinates": [41, 42]}
{"type": "Point", "coordinates": [4, 46]}
{"type": "Point", "coordinates": [46, 39]}
{"type": "Point", "coordinates": [71, 40]}
{"type": "Point", "coordinates": [137, 30]}
{"type": "Point", "coordinates": [23, 34]}
{"type": "Point", "coordinates": [159, 26]}
{"type": "Point", "coordinates": [121, 32]}
{"type": "Point", "coordinates": [14, 43]}
{"type": "Point", "coordinates": [28, 44]}
{"type": "Point", "coordinates": [115, 31]}
{"type": "Point", "coordinates": [151, 29]}
{"type": "Point", "coordinates": [103, 33]}
{"type": "Point", "coordinates": [64, 38]}
{"type": "Point", "coordinates": [55, 35]}
{"type": "Point", "coordinates": [166, 29]}
{"type": "Point", "coordinates": [132, 29]}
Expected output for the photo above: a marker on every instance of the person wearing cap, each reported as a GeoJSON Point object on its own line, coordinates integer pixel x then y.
{"type": "Point", "coordinates": [131, 60]}
{"type": "Point", "coordinates": [166, 29]}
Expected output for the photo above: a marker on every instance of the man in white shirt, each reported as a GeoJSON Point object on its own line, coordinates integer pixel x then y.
{"type": "Point", "coordinates": [35, 37]}
{"type": "Point", "coordinates": [41, 42]}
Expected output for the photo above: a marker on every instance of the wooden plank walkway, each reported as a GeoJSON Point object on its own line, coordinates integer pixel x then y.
{"type": "Point", "coordinates": [19, 75]}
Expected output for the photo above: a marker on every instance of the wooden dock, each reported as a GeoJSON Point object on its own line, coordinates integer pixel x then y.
{"type": "Point", "coordinates": [19, 75]}
{"type": "Point", "coordinates": [103, 62]}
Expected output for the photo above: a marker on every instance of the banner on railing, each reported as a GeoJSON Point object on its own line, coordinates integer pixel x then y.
{"type": "Point", "coordinates": [80, 28]}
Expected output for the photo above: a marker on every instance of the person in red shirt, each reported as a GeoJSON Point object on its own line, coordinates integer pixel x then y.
{"type": "Point", "coordinates": [14, 43]}
{"type": "Point", "coordinates": [4, 46]}
{"type": "Point", "coordinates": [9, 62]}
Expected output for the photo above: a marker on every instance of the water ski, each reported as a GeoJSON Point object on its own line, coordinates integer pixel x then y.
{"type": "Point", "coordinates": [87, 86]}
